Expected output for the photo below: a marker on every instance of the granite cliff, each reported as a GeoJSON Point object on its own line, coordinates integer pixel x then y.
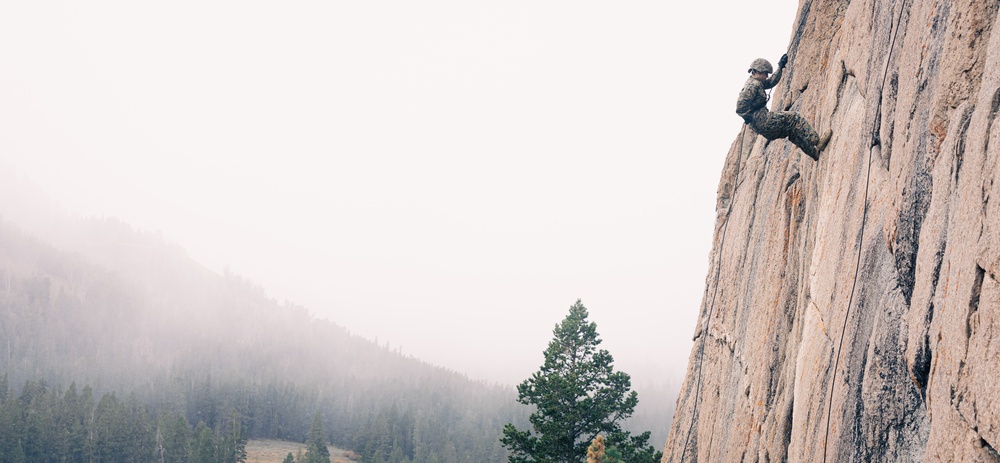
{"type": "Point", "coordinates": [852, 305]}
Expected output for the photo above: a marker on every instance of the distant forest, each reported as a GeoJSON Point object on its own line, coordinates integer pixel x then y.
{"type": "Point", "coordinates": [115, 337]}
{"type": "Point", "coordinates": [126, 315]}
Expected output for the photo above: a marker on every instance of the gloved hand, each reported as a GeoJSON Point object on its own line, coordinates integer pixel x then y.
{"type": "Point", "coordinates": [783, 61]}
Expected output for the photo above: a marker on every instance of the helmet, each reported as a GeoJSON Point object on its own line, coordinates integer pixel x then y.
{"type": "Point", "coordinates": [761, 65]}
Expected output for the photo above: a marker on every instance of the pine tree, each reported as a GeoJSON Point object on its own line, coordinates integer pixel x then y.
{"type": "Point", "coordinates": [109, 430]}
{"type": "Point", "coordinates": [204, 445]}
{"type": "Point", "coordinates": [74, 424]}
{"type": "Point", "coordinates": [577, 396]}
{"type": "Point", "coordinates": [316, 451]}
{"type": "Point", "coordinates": [40, 443]}
{"type": "Point", "coordinates": [234, 442]}
{"type": "Point", "coordinates": [139, 432]}
{"type": "Point", "coordinates": [175, 438]}
{"type": "Point", "coordinates": [4, 389]}
{"type": "Point", "coordinates": [12, 429]}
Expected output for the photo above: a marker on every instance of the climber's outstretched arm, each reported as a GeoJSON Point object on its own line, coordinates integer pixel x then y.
{"type": "Point", "coordinates": [773, 80]}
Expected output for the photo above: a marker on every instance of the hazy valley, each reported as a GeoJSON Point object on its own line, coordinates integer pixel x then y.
{"type": "Point", "coordinates": [95, 312]}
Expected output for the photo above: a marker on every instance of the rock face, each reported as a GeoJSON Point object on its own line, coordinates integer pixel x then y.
{"type": "Point", "coordinates": [852, 305]}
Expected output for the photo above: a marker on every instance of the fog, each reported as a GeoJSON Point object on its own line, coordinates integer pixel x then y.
{"type": "Point", "coordinates": [446, 177]}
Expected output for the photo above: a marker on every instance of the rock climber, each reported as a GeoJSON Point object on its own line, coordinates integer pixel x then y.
{"type": "Point", "coordinates": [752, 107]}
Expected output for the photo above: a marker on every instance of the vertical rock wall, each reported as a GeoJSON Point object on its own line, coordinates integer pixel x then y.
{"type": "Point", "coordinates": [852, 306]}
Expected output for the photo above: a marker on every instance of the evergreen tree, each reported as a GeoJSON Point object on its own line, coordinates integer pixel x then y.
{"type": "Point", "coordinates": [75, 424]}
{"type": "Point", "coordinates": [204, 445]}
{"type": "Point", "coordinates": [40, 443]}
{"type": "Point", "coordinates": [625, 447]}
{"type": "Point", "coordinates": [316, 450]}
{"type": "Point", "coordinates": [139, 432]}
{"type": "Point", "coordinates": [174, 439]}
{"type": "Point", "coordinates": [110, 444]}
{"type": "Point", "coordinates": [289, 459]}
{"type": "Point", "coordinates": [234, 441]}
{"type": "Point", "coordinates": [18, 456]}
{"type": "Point", "coordinates": [12, 431]}
{"type": "Point", "coordinates": [4, 389]}
{"type": "Point", "coordinates": [577, 396]}
{"type": "Point", "coordinates": [615, 456]}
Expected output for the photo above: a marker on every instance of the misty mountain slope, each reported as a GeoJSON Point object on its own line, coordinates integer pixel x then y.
{"type": "Point", "coordinates": [155, 308]}
{"type": "Point", "coordinates": [125, 311]}
{"type": "Point", "coordinates": [851, 304]}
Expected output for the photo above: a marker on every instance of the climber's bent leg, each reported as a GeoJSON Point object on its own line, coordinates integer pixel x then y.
{"type": "Point", "coordinates": [798, 131]}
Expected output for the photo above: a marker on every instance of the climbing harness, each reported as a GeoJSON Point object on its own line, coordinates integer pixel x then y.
{"type": "Point", "coordinates": [861, 241]}
{"type": "Point", "coordinates": [711, 305]}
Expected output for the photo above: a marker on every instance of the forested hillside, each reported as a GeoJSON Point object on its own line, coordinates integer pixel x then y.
{"type": "Point", "coordinates": [96, 303]}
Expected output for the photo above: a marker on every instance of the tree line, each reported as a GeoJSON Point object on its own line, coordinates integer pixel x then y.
{"type": "Point", "coordinates": [134, 318]}
{"type": "Point", "coordinates": [46, 423]}
{"type": "Point", "coordinates": [43, 423]}
{"type": "Point", "coordinates": [204, 361]}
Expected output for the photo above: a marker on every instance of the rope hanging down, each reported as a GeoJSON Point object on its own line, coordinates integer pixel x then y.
{"type": "Point", "coordinates": [711, 305]}
{"type": "Point", "coordinates": [864, 222]}
{"type": "Point", "coordinates": [725, 227]}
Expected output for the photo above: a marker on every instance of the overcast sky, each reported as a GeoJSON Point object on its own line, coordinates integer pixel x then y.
{"type": "Point", "coordinates": [446, 176]}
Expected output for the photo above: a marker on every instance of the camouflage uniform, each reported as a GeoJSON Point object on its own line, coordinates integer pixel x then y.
{"type": "Point", "coordinates": [752, 107]}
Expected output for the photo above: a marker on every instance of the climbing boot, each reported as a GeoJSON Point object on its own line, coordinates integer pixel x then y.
{"type": "Point", "coordinates": [807, 146]}
{"type": "Point", "coordinates": [810, 151]}
{"type": "Point", "coordinates": [824, 140]}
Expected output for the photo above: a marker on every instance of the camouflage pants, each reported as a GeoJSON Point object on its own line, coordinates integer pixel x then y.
{"type": "Point", "coordinates": [781, 124]}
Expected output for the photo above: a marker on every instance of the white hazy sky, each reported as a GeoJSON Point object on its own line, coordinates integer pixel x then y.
{"type": "Point", "coordinates": [446, 176]}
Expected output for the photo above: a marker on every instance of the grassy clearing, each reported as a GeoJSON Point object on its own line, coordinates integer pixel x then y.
{"type": "Point", "coordinates": [275, 451]}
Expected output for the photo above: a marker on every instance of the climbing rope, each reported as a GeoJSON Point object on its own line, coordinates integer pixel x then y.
{"type": "Point", "coordinates": [711, 305]}
{"type": "Point", "coordinates": [861, 241]}
{"type": "Point", "coordinates": [850, 301]}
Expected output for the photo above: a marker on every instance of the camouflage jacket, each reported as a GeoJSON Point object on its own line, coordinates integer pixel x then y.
{"type": "Point", "coordinates": [753, 97]}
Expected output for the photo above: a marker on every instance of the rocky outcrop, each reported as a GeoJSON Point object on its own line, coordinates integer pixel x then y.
{"type": "Point", "coordinates": [852, 305]}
